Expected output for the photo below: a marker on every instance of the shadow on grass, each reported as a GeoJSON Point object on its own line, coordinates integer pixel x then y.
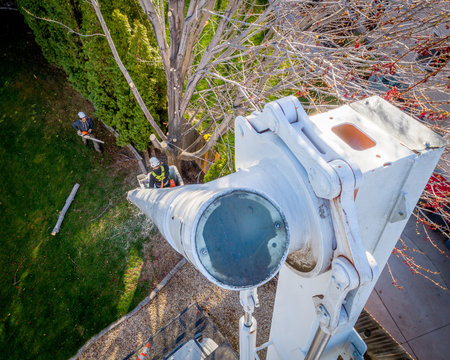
{"type": "Point", "coordinates": [58, 291]}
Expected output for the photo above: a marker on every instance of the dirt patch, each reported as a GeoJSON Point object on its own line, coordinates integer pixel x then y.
{"type": "Point", "coordinates": [159, 259]}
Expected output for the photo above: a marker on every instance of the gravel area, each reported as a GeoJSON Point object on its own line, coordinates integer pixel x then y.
{"type": "Point", "coordinates": [185, 287]}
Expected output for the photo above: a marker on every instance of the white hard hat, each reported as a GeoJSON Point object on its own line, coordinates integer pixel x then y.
{"type": "Point", "coordinates": [154, 162]}
{"type": "Point", "coordinates": [81, 115]}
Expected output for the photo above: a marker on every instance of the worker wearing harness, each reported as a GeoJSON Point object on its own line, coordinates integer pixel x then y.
{"type": "Point", "coordinates": [84, 126]}
{"type": "Point", "coordinates": [159, 177]}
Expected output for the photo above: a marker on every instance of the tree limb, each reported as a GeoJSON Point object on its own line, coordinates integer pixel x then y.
{"type": "Point", "coordinates": [60, 23]}
{"type": "Point", "coordinates": [159, 29]}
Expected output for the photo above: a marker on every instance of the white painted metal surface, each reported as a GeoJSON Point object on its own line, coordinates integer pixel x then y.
{"type": "Point", "coordinates": [234, 249]}
{"type": "Point", "coordinates": [247, 338]}
{"type": "Point", "coordinates": [248, 324]}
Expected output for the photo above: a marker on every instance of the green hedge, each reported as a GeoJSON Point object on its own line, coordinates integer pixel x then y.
{"type": "Point", "coordinates": [90, 66]}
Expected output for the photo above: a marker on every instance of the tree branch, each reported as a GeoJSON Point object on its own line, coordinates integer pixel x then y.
{"type": "Point", "coordinates": [159, 29]}
{"type": "Point", "coordinates": [60, 23]}
{"type": "Point", "coordinates": [210, 143]}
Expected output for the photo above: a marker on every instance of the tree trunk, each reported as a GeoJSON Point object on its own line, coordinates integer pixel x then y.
{"type": "Point", "coordinates": [173, 159]}
{"type": "Point", "coordinates": [146, 159]}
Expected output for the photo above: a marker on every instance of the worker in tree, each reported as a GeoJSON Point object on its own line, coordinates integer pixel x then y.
{"type": "Point", "coordinates": [84, 126]}
{"type": "Point", "coordinates": [159, 177]}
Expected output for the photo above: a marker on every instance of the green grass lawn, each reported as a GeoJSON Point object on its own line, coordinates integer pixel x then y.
{"type": "Point", "coordinates": [58, 291]}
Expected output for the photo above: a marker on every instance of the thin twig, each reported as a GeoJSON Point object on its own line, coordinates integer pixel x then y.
{"type": "Point", "coordinates": [15, 274]}
{"type": "Point", "coordinates": [72, 260]}
{"type": "Point", "coordinates": [60, 23]}
{"type": "Point", "coordinates": [104, 210]}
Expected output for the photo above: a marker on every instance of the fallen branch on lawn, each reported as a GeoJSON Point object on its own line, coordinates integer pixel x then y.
{"type": "Point", "coordinates": [64, 210]}
{"type": "Point", "coordinates": [15, 274]}
{"type": "Point", "coordinates": [106, 208]}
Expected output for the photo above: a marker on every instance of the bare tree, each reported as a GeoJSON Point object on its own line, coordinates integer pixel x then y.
{"type": "Point", "coordinates": [200, 40]}
{"type": "Point", "coordinates": [223, 60]}
{"type": "Point", "coordinates": [220, 62]}
{"type": "Point", "coordinates": [186, 63]}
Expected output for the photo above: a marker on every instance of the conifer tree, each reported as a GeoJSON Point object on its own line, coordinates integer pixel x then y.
{"type": "Point", "coordinates": [90, 68]}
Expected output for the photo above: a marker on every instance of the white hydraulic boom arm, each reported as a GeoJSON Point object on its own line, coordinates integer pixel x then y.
{"type": "Point", "coordinates": [321, 200]}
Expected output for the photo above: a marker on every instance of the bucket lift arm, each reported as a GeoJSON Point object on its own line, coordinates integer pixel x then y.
{"type": "Point", "coordinates": [333, 272]}
{"type": "Point", "coordinates": [336, 181]}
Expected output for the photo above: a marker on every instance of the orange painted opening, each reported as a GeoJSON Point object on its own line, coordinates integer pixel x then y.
{"type": "Point", "coordinates": [353, 137]}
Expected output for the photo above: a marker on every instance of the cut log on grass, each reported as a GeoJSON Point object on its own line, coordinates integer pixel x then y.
{"type": "Point", "coordinates": [64, 210]}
